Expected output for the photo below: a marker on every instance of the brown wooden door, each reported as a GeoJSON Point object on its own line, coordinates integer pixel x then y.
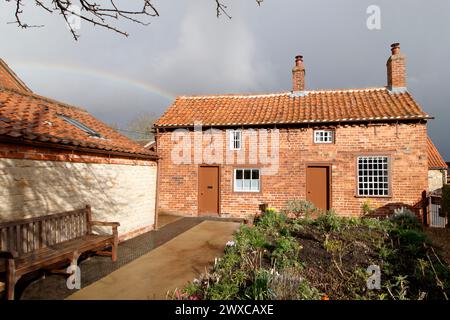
{"type": "Point", "coordinates": [318, 186]}
{"type": "Point", "coordinates": [208, 191]}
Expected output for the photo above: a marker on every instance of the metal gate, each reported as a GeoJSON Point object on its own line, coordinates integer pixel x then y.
{"type": "Point", "coordinates": [436, 220]}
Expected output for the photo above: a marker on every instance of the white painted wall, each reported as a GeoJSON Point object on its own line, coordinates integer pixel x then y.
{"type": "Point", "coordinates": [122, 193]}
{"type": "Point", "coordinates": [436, 179]}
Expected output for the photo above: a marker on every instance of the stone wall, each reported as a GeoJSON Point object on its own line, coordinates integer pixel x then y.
{"type": "Point", "coordinates": [404, 144]}
{"type": "Point", "coordinates": [117, 192]}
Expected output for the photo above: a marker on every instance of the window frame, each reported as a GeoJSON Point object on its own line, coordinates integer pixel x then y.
{"type": "Point", "coordinates": [81, 126]}
{"type": "Point", "coordinates": [233, 140]}
{"type": "Point", "coordinates": [360, 194]}
{"type": "Point", "coordinates": [235, 170]}
{"type": "Point", "coordinates": [324, 142]}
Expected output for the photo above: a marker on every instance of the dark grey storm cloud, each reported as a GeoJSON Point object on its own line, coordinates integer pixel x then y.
{"type": "Point", "coordinates": [189, 51]}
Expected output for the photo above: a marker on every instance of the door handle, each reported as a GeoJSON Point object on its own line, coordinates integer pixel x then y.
{"type": "Point", "coordinates": [210, 187]}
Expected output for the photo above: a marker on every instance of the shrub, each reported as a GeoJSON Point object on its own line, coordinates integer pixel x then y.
{"type": "Point", "coordinates": [329, 221]}
{"type": "Point", "coordinates": [251, 238]}
{"type": "Point", "coordinates": [270, 219]}
{"type": "Point", "coordinates": [300, 208]}
{"type": "Point", "coordinates": [405, 219]}
{"type": "Point", "coordinates": [285, 252]}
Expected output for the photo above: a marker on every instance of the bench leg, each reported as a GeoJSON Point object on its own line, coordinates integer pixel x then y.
{"type": "Point", "coordinates": [114, 252]}
{"type": "Point", "coordinates": [75, 257]}
{"type": "Point", "coordinates": [115, 245]}
{"type": "Point", "coordinates": [10, 279]}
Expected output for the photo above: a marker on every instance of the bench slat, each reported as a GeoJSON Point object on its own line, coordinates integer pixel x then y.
{"type": "Point", "coordinates": [46, 217]}
{"type": "Point", "coordinates": [46, 256]}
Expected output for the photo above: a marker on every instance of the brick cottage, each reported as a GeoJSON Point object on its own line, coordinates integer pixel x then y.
{"type": "Point", "coordinates": [227, 154]}
{"type": "Point", "coordinates": [55, 157]}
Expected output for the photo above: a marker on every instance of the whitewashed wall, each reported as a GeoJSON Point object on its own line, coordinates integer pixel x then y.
{"type": "Point", "coordinates": [122, 193]}
{"type": "Point", "coordinates": [436, 179]}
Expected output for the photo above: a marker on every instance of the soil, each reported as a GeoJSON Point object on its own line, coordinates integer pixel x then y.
{"type": "Point", "coordinates": [331, 270]}
{"type": "Point", "coordinates": [441, 239]}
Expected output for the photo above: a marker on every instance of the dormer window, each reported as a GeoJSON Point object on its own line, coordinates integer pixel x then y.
{"type": "Point", "coordinates": [235, 139]}
{"type": "Point", "coordinates": [323, 136]}
{"type": "Point", "coordinates": [81, 126]}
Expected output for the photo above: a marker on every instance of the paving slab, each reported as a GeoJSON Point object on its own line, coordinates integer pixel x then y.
{"type": "Point", "coordinates": [162, 270]}
{"type": "Point", "coordinates": [46, 286]}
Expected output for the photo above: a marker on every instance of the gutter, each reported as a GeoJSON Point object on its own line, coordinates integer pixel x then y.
{"type": "Point", "coordinates": [76, 148]}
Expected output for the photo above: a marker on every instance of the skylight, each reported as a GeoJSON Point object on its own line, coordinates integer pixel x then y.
{"type": "Point", "coordinates": [81, 126]}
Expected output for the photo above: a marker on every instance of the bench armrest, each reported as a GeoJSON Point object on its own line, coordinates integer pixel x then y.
{"type": "Point", "coordinates": [8, 254]}
{"type": "Point", "coordinates": [105, 224]}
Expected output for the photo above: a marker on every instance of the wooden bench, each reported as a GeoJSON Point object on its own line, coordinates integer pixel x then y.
{"type": "Point", "coordinates": [43, 242]}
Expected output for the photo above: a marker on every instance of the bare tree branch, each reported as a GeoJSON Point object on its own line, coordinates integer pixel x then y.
{"type": "Point", "coordinates": [221, 8]}
{"type": "Point", "coordinates": [99, 14]}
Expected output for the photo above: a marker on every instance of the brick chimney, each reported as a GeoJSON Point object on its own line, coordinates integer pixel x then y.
{"type": "Point", "coordinates": [396, 69]}
{"type": "Point", "coordinates": [298, 75]}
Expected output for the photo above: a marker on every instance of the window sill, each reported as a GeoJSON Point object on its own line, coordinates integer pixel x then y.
{"type": "Point", "coordinates": [247, 192]}
{"type": "Point", "coordinates": [382, 197]}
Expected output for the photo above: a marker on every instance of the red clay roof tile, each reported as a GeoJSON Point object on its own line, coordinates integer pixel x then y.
{"type": "Point", "coordinates": [377, 104]}
{"type": "Point", "coordinates": [31, 117]}
{"type": "Point", "coordinates": [435, 160]}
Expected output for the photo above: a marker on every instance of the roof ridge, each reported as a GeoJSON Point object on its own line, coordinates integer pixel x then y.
{"type": "Point", "coordinates": [46, 99]}
{"type": "Point", "coordinates": [275, 94]}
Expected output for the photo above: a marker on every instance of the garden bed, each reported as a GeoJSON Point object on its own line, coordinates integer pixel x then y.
{"type": "Point", "coordinates": [326, 258]}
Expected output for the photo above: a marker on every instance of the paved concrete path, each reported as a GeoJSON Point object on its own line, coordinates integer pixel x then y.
{"type": "Point", "coordinates": [165, 268]}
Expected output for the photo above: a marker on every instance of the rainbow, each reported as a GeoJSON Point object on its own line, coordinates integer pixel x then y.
{"type": "Point", "coordinates": [95, 73]}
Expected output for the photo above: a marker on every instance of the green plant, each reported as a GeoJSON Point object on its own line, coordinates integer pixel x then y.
{"type": "Point", "coordinates": [398, 288]}
{"type": "Point", "coordinates": [386, 252]}
{"type": "Point", "coordinates": [271, 211]}
{"type": "Point", "coordinates": [251, 238]}
{"type": "Point", "coordinates": [366, 207]}
{"type": "Point", "coordinates": [300, 208]}
{"type": "Point", "coordinates": [285, 251]}
{"type": "Point", "coordinates": [404, 218]}
{"type": "Point", "coordinates": [259, 287]}
{"type": "Point", "coordinates": [423, 266]}
{"type": "Point", "coordinates": [329, 221]}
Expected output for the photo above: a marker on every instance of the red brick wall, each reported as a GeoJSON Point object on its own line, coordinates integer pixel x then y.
{"type": "Point", "coordinates": [396, 71]}
{"type": "Point", "coordinates": [405, 144]}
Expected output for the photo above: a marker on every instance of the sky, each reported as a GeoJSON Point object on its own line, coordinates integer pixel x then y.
{"type": "Point", "coordinates": [188, 50]}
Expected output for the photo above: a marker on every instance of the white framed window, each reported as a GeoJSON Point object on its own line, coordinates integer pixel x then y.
{"type": "Point", "coordinates": [373, 176]}
{"type": "Point", "coordinates": [247, 180]}
{"type": "Point", "coordinates": [235, 139]}
{"type": "Point", "coordinates": [323, 136]}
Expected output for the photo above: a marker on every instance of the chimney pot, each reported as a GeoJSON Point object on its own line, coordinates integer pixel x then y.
{"type": "Point", "coordinates": [298, 60]}
{"type": "Point", "coordinates": [395, 48]}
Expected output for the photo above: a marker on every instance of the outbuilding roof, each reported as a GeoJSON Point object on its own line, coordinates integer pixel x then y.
{"type": "Point", "coordinates": [25, 116]}
{"type": "Point", "coordinates": [435, 160]}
